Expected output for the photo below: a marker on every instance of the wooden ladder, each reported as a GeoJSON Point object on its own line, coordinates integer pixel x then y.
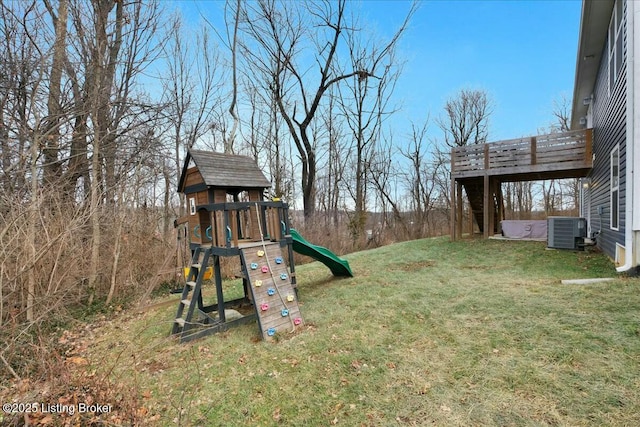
{"type": "Point", "coordinates": [191, 298]}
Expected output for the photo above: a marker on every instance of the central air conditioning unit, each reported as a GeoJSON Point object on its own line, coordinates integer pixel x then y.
{"type": "Point", "coordinates": [566, 232]}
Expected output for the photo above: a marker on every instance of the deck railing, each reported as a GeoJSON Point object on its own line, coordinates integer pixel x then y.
{"type": "Point", "coordinates": [542, 153]}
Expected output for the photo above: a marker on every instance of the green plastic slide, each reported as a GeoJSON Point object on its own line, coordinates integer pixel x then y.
{"type": "Point", "coordinates": [338, 266]}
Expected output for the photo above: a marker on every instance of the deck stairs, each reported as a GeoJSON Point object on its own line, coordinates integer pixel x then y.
{"type": "Point", "coordinates": [474, 188]}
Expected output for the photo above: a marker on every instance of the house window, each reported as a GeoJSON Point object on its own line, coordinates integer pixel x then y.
{"type": "Point", "coordinates": [615, 188]}
{"type": "Point", "coordinates": [615, 40]}
{"type": "Point", "coordinates": [192, 205]}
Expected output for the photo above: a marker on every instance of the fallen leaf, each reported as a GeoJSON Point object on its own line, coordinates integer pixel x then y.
{"type": "Point", "coordinates": [77, 360]}
{"type": "Point", "coordinates": [276, 415]}
{"type": "Point", "coordinates": [425, 389]}
{"type": "Point", "coordinates": [46, 420]}
{"type": "Point", "coordinates": [23, 385]}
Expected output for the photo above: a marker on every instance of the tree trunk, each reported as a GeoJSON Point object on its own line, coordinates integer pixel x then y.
{"type": "Point", "coordinates": [116, 257]}
{"type": "Point", "coordinates": [52, 123]}
{"type": "Point", "coordinates": [101, 91]}
{"type": "Point", "coordinates": [31, 230]}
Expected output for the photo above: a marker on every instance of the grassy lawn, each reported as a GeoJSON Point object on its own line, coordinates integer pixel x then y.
{"type": "Point", "coordinates": [428, 332]}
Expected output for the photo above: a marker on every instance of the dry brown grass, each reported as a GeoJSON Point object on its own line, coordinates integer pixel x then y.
{"type": "Point", "coordinates": [415, 338]}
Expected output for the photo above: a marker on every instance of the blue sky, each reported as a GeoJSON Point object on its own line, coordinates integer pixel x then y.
{"type": "Point", "coordinates": [522, 53]}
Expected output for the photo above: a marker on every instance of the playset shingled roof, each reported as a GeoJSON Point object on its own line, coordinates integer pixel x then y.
{"type": "Point", "coordinates": [225, 170]}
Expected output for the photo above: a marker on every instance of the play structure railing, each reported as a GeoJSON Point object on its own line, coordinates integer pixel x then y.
{"type": "Point", "coordinates": [232, 224]}
{"type": "Point", "coordinates": [540, 153]}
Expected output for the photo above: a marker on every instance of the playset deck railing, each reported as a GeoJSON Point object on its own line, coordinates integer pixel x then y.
{"type": "Point", "coordinates": [233, 225]}
{"type": "Point", "coordinates": [538, 154]}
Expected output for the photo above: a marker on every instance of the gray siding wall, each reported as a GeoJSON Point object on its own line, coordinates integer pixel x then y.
{"type": "Point", "coordinates": [609, 129]}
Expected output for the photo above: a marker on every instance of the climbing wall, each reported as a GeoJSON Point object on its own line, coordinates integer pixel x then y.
{"type": "Point", "coordinates": [271, 290]}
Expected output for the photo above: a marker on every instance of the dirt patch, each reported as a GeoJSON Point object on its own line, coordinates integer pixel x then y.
{"type": "Point", "coordinates": [412, 266]}
{"type": "Point", "coordinates": [476, 267]}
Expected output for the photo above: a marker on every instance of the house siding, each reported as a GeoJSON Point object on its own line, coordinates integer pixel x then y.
{"type": "Point", "coordinates": [609, 131]}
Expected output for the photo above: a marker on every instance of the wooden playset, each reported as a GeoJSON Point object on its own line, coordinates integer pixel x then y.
{"type": "Point", "coordinates": [228, 217]}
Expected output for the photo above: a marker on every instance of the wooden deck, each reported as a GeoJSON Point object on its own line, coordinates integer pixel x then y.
{"type": "Point", "coordinates": [480, 170]}
{"type": "Point", "coordinates": [560, 155]}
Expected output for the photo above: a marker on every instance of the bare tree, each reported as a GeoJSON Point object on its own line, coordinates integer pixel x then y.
{"type": "Point", "coordinates": [263, 134]}
{"type": "Point", "coordinates": [466, 118]}
{"type": "Point", "coordinates": [109, 48]}
{"type": "Point", "coordinates": [281, 37]}
{"type": "Point", "coordinates": [190, 90]}
{"type": "Point", "coordinates": [384, 179]}
{"type": "Point", "coordinates": [420, 178]}
{"type": "Point", "coordinates": [25, 79]}
{"type": "Point", "coordinates": [465, 121]}
{"type": "Point", "coordinates": [21, 74]}
{"type": "Point", "coordinates": [233, 42]}
{"type": "Point", "coordinates": [561, 113]}
{"type": "Point", "coordinates": [54, 101]}
{"type": "Point", "coordinates": [556, 192]}
{"type": "Point", "coordinates": [337, 156]}
{"type": "Point", "coordinates": [365, 104]}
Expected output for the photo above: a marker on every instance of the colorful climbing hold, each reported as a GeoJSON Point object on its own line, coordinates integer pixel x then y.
{"type": "Point", "coordinates": [265, 269]}
{"type": "Point", "coordinates": [264, 306]}
{"type": "Point", "coordinates": [297, 321]}
{"type": "Point", "coordinates": [271, 331]}
{"type": "Point", "coordinates": [290, 298]}
{"type": "Point", "coordinates": [254, 265]}
{"type": "Point", "coordinates": [284, 312]}
{"type": "Point", "coordinates": [260, 253]}
{"type": "Point", "coordinates": [279, 260]}
{"type": "Point", "coordinates": [271, 291]}
{"type": "Point", "coordinates": [258, 283]}
{"type": "Point", "coordinates": [284, 276]}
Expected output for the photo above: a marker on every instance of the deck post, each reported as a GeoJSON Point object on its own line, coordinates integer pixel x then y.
{"type": "Point", "coordinates": [459, 206]}
{"type": "Point", "coordinates": [486, 157]}
{"type": "Point", "coordinates": [452, 198]}
{"type": "Point", "coordinates": [492, 206]}
{"type": "Point", "coordinates": [500, 203]}
{"type": "Point", "coordinates": [452, 220]}
{"type": "Point", "coordinates": [470, 220]}
{"type": "Point", "coordinates": [485, 205]}
{"type": "Point", "coordinates": [534, 158]}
